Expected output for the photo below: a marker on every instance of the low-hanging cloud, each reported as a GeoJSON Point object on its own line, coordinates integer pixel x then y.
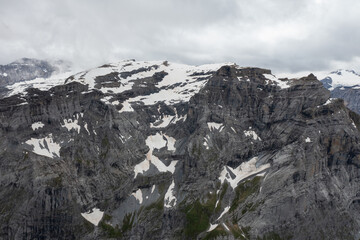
{"type": "Point", "coordinates": [282, 35]}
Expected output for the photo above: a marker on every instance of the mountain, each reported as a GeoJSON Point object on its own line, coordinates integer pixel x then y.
{"type": "Point", "coordinates": [344, 84]}
{"type": "Point", "coordinates": [159, 150]}
{"type": "Point", "coordinates": [27, 69]}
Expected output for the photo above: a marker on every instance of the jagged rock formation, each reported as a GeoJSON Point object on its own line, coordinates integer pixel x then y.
{"type": "Point", "coordinates": [156, 150]}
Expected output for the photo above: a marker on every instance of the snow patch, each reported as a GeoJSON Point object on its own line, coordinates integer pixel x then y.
{"type": "Point", "coordinates": [166, 120]}
{"type": "Point", "coordinates": [170, 199]}
{"type": "Point", "coordinates": [206, 141]}
{"type": "Point", "coordinates": [218, 126]}
{"type": "Point", "coordinates": [223, 212]}
{"type": "Point", "coordinates": [126, 107]}
{"type": "Point", "coordinates": [94, 216]}
{"type": "Point", "coordinates": [37, 125]}
{"type": "Point", "coordinates": [157, 141]}
{"type": "Point", "coordinates": [86, 128]}
{"type": "Point", "coordinates": [138, 196]}
{"type": "Point", "coordinates": [308, 140]}
{"type": "Point", "coordinates": [226, 227]}
{"type": "Point", "coordinates": [251, 133]}
{"type": "Point", "coordinates": [234, 175]}
{"type": "Point", "coordinates": [329, 101]}
{"type": "Point", "coordinates": [71, 124]}
{"type": "Point", "coordinates": [42, 84]}
{"type": "Point", "coordinates": [45, 146]}
{"type": "Point", "coordinates": [283, 84]}
{"type": "Point", "coordinates": [212, 227]}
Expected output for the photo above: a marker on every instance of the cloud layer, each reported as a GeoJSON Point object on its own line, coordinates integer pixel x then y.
{"type": "Point", "coordinates": [283, 35]}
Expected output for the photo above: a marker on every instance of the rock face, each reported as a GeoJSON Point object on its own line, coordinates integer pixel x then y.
{"type": "Point", "coordinates": [156, 150]}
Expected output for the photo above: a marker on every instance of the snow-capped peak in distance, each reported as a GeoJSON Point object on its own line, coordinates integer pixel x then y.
{"type": "Point", "coordinates": [28, 71]}
{"type": "Point", "coordinates": [339, 78]}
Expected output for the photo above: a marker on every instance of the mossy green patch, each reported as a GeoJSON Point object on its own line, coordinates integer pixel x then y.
{"type": "Point", "coordinates": [115, 232]}
{"type": "Point", "coordinates": [250, 207]}
{"type": "Point", "coordinates": [56, 182]}
{"type": "Point", "coordinates": [128, 222]}
{"type": "Point", "coordinates": [198, 216]}
{"type": "Point", "coordinates": [107, 217]}
{"type": "Point", "coordinates": [111, 232]}
{"type": "Point", "coordinates": [105, 146]}
{"type": "Point", "coordinates": [242, 233]}
{"type": "Point", "coordinates": [158, 205]}
{"type": "Point", "coordinates": [196, 151]}
{"type": "Point", "coordinates": [244, 190]}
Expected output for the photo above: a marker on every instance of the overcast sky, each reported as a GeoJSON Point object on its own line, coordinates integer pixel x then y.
{"type": "Point", "coordinates": [283, 35]}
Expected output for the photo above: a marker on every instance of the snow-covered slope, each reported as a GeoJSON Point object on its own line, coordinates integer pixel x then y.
{"type": "Point", "coordinates": [339, 78]}
{"type": "Point", "coordinates": [42, 84]}
{"type": "Point", "coordinates": [176, 82]}
{"type": "Point", "coordinates": [26, 69]}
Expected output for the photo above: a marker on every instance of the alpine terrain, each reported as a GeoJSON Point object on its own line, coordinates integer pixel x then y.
{"type": "Point", "coordinates": [159, 150]}
{"type": "Point", "coordinates": [344, 84]}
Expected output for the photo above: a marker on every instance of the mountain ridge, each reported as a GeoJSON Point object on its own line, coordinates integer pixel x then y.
{"type": "Point", "coordinates": [245, 155]}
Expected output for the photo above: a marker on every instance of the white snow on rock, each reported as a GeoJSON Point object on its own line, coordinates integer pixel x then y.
{"type": "Point", "coordinates": [86, 128]}
{"type": "Point", "coordinates": [166, 120]}
{"type": "Point", "coordinates": [329, 101]}
{"type": "Point", "coordinates": [226, 227]}
{"type": "Point", "coordinates": [218, 126]}
{"type": "Point", "coordinates": [308, 140]}
{"type": "Point", "coordinates": [206, 141]}
{"type": "Point", "coordinates": [157, 141]}
{"type": "Point", "coordinates": [212, 227]}
{"type": "Point", "coordinates": [223, 212]}
{"type": "Point", "coordinates": [71, 124]}
{"type": "Point", "coordinates": [170, 199]}
{"type": "Point", "coordinates": [142, 167]}
{"type": "Point", "coordinates": [138, 196]}
{"type": "Point", "coordinates": [126, 107]}
{"type": "Point", "coordinates": [45, 146]}
{"type": "Point", "coordinates": [243, 171]}
{"type": "Point", "coordinates": [183, 76]}
{"type": "Point", "coordinates": [37, 125]}
{"type": "Point", "coordinates": [281, 83]}
{"type": "Point", "coordinates": [251, 133]}
{"type": "Point", "coordinates": [42, 84]}
{"type": "Point", "coordinates": [94, 216]}
{"type": "Point", "coordinates": [5, 74]}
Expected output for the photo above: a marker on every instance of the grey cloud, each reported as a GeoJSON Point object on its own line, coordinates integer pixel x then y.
{"type": "Point", "coordinates": [282, 35]}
